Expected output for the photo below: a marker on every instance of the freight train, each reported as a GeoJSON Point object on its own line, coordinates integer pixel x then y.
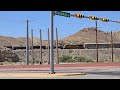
{"type": "Point", "coordinates": [101, 45]}
{"type": "Point", "coordinates": [81, 46]}
{"type": "Point", "coordinates": [46, 47]}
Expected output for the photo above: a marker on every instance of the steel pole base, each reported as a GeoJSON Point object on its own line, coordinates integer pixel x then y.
{"type": "Point", "coordinates": [52, 72]}
{"type": "Point", "coordinates": [48, 62]}
{"type": "Point", "coordinates": [40, 62]}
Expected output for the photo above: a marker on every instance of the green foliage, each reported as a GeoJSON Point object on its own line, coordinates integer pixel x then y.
{"type": "Point", "coordinates": [88, 60]}
{"type": "Point", "coordinates": [103, 60]}
{"type": "Point", "coordinates": [36, 61]}
{"type": "Point", "coordinates": [65, 58]}
{"type": "Point", "coordinates": [82, 59]}
{"type": "Point", "coordinates": [70, 51]}
{"type": "Point", "coordinates": [79, 59]}
{"type": "Point", "coordinates": [1, 63]}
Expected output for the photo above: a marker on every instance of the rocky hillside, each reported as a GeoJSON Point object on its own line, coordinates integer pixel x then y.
{"type": "Point", "coordinates": [86, 35]}
{"type": "Point", "coordinates": [36, 41]}
{"type": "Point", "coordinates": [8, 41]}
{"type": "Point", "coordinates": [7, 55]}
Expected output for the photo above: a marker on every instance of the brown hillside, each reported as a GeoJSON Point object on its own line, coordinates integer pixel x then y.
{"type": "Point", "coordinates": [88, 35]}
{"type": "Point", "coordinates": [8, 41]}
{"type": "Point", "coordinates": [36, 41]}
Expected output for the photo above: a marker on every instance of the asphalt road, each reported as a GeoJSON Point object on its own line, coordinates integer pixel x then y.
{"type": "Point", "coordinates": [91, 73]}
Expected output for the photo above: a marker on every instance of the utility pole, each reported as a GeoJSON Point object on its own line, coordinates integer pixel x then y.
{"type": "Point", "coordinates": [40, 48]}
{"type": "Point", "coordinates": [32, 46]}
{"type": "Point", "coordinates": [112, 45]}
{"type": "Point", "coordinates": [1, 53]}
{"type": "Point", "coordinates": [51, 43]}
{"type": "Point", "coordinates": [96, 42]}
{"type": "Point", "coordinates": [48, 48]}
{"type": "Point", "coordinates": [27, 46]}
{"type": "Point", "coordinates": [57, 57]}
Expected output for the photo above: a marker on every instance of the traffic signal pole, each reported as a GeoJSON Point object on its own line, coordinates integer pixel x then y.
{"type": "Point", "coordinates": [51, 44]}
{"type": "Point", "coordinates": [60, 13]}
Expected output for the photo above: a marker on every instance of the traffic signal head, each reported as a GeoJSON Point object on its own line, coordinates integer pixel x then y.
{"type": "Point", "coordinates": [118, 21]}
{"type": "Point", "coordinates": [93, 18]}
{"type": "Point", "coordinates": [79, 16]}
{"type": "Point", "coordinates": [104, 19]}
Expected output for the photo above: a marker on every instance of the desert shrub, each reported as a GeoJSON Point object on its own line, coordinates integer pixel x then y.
{"type": "Point", "coordinates": [103, 60]}
{"type": "Point", "coordinates": [79, 59]}
{"type": "Point", "coordinates": [36, 61]}
{"type": "Point", "coordinates": [1, 63]}
{"type": "Point", "coordinates": [70, 51]}
{"type": "Point", "coordinates": [65, 58]}
{"type": "Point", "coordinates": [88, 60]}
{"type": "Point", "coordinates": [82, 59]}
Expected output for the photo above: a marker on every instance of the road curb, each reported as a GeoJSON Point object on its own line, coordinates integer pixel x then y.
{"type": "Point", "coordinates": [39, 74]}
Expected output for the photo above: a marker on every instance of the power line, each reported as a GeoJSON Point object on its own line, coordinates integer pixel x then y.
{"type": "Point", "coordinates": [12, 20]}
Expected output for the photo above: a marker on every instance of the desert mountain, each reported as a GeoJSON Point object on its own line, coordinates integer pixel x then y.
{"type": "Point", "coordinates": [86, 35]}
{"type": "Point", "coordinates": [8, 41]}
{"type": "Point", "coordinates": [36, 41]}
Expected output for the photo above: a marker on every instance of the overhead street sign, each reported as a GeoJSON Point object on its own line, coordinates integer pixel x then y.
{"type": "Point", "coordinates": [60, 13]}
